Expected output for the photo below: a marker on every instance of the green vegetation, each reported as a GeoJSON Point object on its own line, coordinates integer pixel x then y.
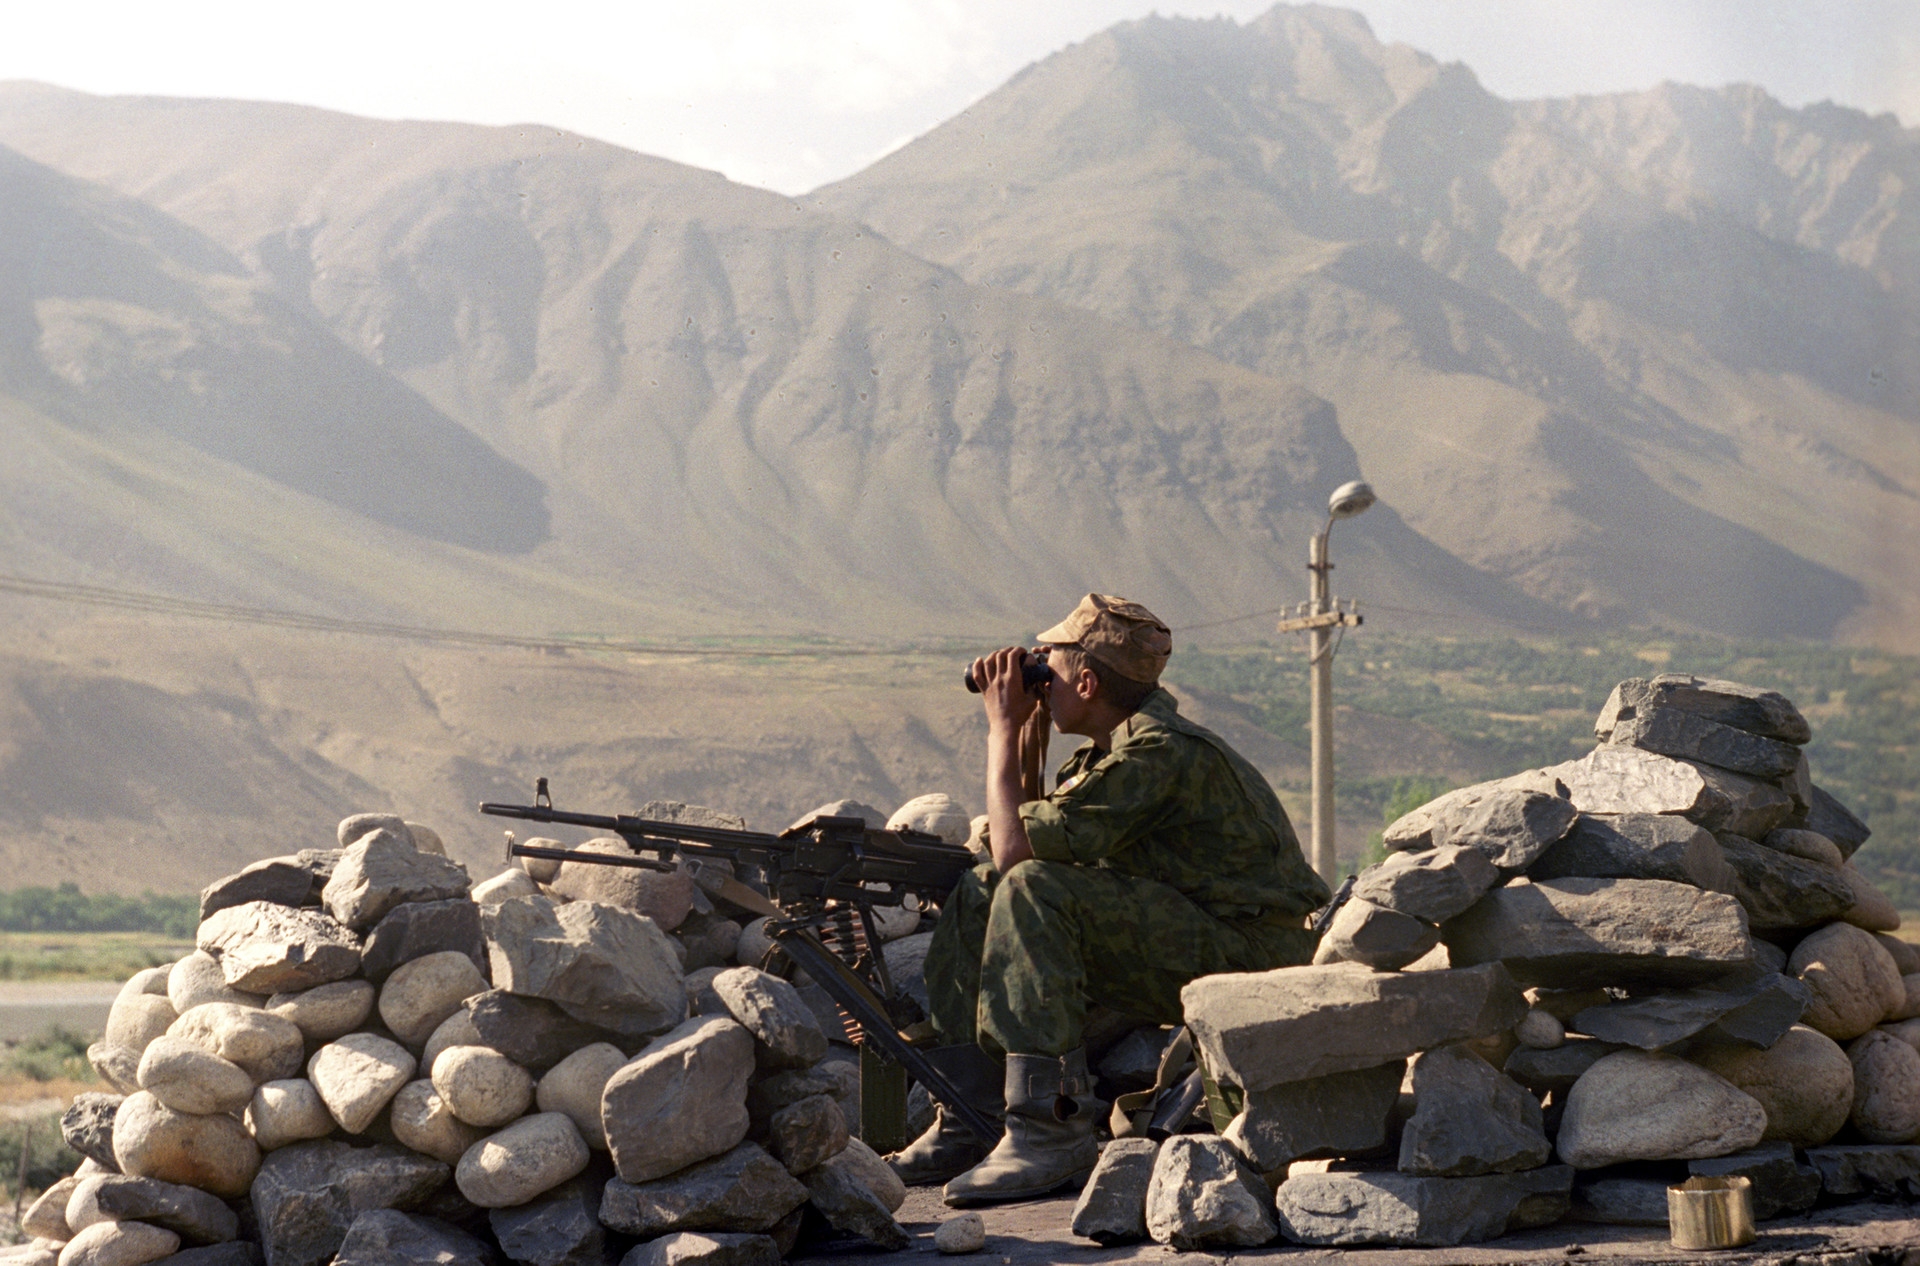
{"type": "Point", "coordinates": [84, 955]}
{"type": "Point", "coordinates": [67, 909]}
{"type": "Point", "coordinates": [55, 1054]}
{"type": "Point", "coordinates": [1501, 706]}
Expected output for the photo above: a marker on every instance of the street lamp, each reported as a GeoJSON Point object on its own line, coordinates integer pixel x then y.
{"type": "Point", "coordinates": [1319, 621]}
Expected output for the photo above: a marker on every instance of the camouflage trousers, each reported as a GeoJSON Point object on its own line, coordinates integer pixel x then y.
{"type": "Point", "coordinates": [1016, 959]}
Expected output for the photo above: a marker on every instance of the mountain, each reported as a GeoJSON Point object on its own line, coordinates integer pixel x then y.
{"type": "Point", "coordinates": [745, 412]}
{"type": "Point", "coordinates": [1649, 356]}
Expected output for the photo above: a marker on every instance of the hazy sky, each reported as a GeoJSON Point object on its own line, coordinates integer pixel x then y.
{"type": "Point", "coordinates": [793, 93]}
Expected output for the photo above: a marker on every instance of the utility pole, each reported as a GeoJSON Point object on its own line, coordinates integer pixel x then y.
{"type": "Point", "coordinates": [1319, 620]}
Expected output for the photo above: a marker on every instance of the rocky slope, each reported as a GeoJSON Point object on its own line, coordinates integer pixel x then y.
{"type": "Point", "coordinates": [1642, 356]}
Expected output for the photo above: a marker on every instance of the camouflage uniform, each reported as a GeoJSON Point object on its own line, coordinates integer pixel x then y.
{"type": "Point", "coordinates": [1165, 859]}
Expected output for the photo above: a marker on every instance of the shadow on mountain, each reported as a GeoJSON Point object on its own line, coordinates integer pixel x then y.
{"type": "Point", "coordinates": [110, 310]}
{"type": "Point", "coordinates": [1684, 564]}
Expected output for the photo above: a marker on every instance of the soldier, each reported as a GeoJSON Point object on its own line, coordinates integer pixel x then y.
{"type": "Point", "coordinates": [1161, 855]}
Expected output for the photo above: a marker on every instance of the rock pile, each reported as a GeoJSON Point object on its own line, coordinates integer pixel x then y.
{"type": "Point", "coordinates": [370, 1060]}
{"type": "Point", "coordinates": [1560, 992]}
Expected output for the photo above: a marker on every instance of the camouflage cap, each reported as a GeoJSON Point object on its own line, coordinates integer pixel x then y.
{"type": "Point", "coordinates": [1124, 635]}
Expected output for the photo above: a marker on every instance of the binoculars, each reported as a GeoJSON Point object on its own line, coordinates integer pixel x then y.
{"type": "Point", "coordinates": [1034, 673]}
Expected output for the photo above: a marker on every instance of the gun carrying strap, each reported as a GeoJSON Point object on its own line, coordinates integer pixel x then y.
{"type": "Point", "coordinates": [1033, 752]}
{"type": "Point", "coordinates": [1132, 1113]}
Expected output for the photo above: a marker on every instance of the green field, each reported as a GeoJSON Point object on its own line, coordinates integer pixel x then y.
{"type": "Point", "coordinates": [85, 955]}
{"type": "Point", "coordinates": [1509, 705]}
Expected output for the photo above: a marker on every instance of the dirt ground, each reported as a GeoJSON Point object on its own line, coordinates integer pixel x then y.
{"type": "Point", "coordinates": [1036, 1232]}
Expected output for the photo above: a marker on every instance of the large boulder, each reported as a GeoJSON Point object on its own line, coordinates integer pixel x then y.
{"type": "Point", "coordinates": [1572, 933]}
{"type": "Point", "coordinates": [935, 813]}
{"type": "Point", "coordinates": [1260, 1029]}
{"type": "Point", "coordinates": [1202, 1195]}
{"type": "Point", "coordinates": [1469, 1118]}
{"type": "Point", "coordinates": [532, 1032]}
{"type": "Point", "coordinates": [1804, 1082]}
{"type": "Point", "coordinates": [601, 964]}
{"type": "Point", "coordinates": [1766, 713]}
{"type": "Point", "coordinates": [1854, 981]}
{"type": "Point", "coordinates": [119, 1244]}
{"type": "Point", "coordinates": [1886, 1088]}
{"type": "Point", "coordinates": [306, 1196]}
{"type": "Point", "coordinates": [742, 1190]}
{"type": "Point", "coordinates": [136, 1018]}
{"type": "Point", "coordinates": [1637, 846]}
{"type": "Point", "coordinates": [266, 1045]}
{"type": "Point", "coordinates": [420, 1119]}
{"type": "Point", "coordinates": [1782, 892]}
{"type": "Point", "coordinates": [1633, 1105]}
{"type": "Point", "coordinates": [852, 1206]}
{"type": "Point", "coordinates": [197, 978]}
{"type": "Point", "coordinates": [388, 1237]}
{"type": "Point", "coordinates": [785, 1033]}
{"type": "Point", "coordinates": [1628, 780]}
{"type": "Point", "coordinates": [1511, 824]}
{"type": "Point", "coordinates": [357, 1075]}
{"type": "Point", "coordinates": [87, 1126]}
{"type": "Point", "coordinates": [287, 1111]}
{"type": "Point", "coordinates": [481, 1086]}
{"type": "Point", "coordinates": [382, 870]}
{"type": "Point", "coordinates": [266, 948]}
{"type": "Point", "coordinates": [189, 1078]}
{"type": "Point", "coordinates": [1871, 908]}
{"type": "Point", "coordinates": [420, 994]}
{"type": "Point", "coordinates": [1339, 1114]}
{"type": "Point", "coordinates": [666, 897]}
{"type": "Point", "coordinates": [681, 1100]}
{"type": "Point", "coordinates": [808, 1133]}
{"type": "Point", "coordinates": [1431, 885]}
{"type": "Point", "coordinates": [1112, 1208]}
{"type": "Point", "coordinates": [214, 1153]}
{"type": "Point", "coordinates": [419, 928]}
{"type": "Point", "coordinates": [575, 1086]}
{"type": "Point", "coordinates": [1689, 736]}
{"type": "Point", "coordinates": [1412, 1210]}
{"type": "Point", "coordinates": [325, 1012]}
{"type": "Point", "coordinates": [282, 880]}
{"type": "Point", "coordinates": [532, 1156]}
{"type": "Point", "coordinates": [560, 1228]}
{"type": "Point", "coordinates": [1362, 932]}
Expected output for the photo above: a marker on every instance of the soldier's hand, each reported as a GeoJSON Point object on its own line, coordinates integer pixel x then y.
{"type": "Point", "coordinates": [1002, 692]}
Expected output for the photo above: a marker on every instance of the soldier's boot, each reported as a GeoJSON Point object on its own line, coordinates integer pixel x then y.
{"type": "Point", "coordinates": [1049, 1141]}
{"type": "Point", "coordinates": [948, 1147]}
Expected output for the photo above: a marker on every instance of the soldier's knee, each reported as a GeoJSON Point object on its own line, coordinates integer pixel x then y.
{"type": "Point", "coordinates": [1036, 880]}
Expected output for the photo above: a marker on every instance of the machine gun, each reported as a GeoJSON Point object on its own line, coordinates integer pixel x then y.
{"type": "Point", "coordinates": [824, 878]}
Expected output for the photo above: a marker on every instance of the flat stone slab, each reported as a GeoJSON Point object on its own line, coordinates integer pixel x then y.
{"type": "Point", "coordinates": [1616, 1201]}
{"type": "Point", "coordinates": [1834, 820]}
{"type": "Point", "coordinates": [1557, 1069]}
{"type": "Point", "coordinates": [1637, 846]}
{"type": "Point", "coordinates": [1579, 933]}
{"type": "Point", "coordinates": [1868, 1168]}
{"type": "Point", "coordinates": [1781, 1184]}
{"type": "Point", "coordinates": [1783, 892]}
{"type": "Point", "coordinates": [1403, 1209]}
{"type": "Point", "coordinates": [418, 928]}
{"type": "Point", "coordinates": [1766, 713]}
{"type": "Point", "coordinates": [1628, 780]}
{"type": "Point", "coordinates": [281, 880]}
{"type": "Point", "coordinates": [1689, 736]}
{"type": "Point", "coordinates": [267, 948]}
{"type": "Point", "coordinates": [1261, 1029]}
{"type": "Point", "coordinates": [1756, 1012]}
